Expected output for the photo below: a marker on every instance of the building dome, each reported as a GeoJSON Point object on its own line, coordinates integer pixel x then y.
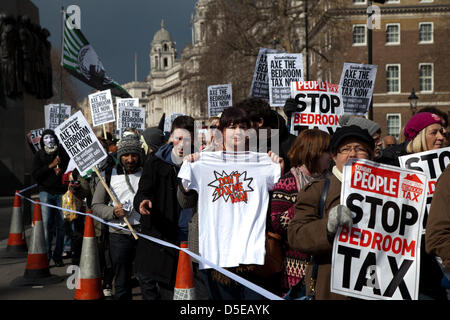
{"type": "Point", "coordinates": [162, 35]}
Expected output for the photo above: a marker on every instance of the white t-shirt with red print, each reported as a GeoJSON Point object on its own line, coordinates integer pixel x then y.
{"type": "Point", "coordinates": [233, 197]}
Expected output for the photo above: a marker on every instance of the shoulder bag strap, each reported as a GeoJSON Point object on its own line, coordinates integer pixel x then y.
{"type": "Point", "coordinates": [323, 197]}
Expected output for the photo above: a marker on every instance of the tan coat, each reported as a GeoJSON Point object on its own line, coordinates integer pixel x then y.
{"type": "Point", "coordinates": [437, 234]}
{"type": "Point", "coordinates": [308, 233]}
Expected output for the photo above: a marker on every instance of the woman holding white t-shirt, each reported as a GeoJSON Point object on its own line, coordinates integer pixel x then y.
{"type": "Point", "coordinates": [233, 126]}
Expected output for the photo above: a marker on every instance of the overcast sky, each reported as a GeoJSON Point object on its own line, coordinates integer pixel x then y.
{"type": "Point", "coordinates": [119, 28]}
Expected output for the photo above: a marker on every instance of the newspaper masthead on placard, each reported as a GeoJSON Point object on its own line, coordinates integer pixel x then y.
{"type": "Point", "coordinates": [319, 106]}
{"type": "Point", "coordinates": [432, 163]}
{"type": "Point", "coordinates": [80, 142]}
{"type": "Point", "coordinates": [356, 87]}
{"type": "Point", "coordinates": [130, 115]}
{"type": "Point", "coordinates": [284, 68]}
{"type": "Point", "coordinates": [55, 114]}
{"type": "Point", "coordinates": [379, 257]}
{"type": "Point", "coordinates": [102, 108]}
{"type": "Point", "coordinates": [260, 83]}
{"type": "Point", "coordinates": [219, 97]}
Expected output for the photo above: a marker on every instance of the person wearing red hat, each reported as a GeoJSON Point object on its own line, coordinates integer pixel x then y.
{"type": "Point", "coordinates": [425, 132]}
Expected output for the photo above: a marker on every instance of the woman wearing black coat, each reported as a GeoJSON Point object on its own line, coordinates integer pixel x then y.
{"type": "Point", "coordinates": [49, 164]}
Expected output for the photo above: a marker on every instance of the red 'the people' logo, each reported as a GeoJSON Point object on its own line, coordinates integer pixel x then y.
{"type": "Point", "coordinates": [374, 179]}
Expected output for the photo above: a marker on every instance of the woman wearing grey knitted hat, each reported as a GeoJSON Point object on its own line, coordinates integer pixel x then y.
{"type": "Point", "coordinates": [372, 127]}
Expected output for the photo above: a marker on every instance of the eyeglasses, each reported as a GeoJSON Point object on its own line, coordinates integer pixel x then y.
{"type": "Point", "coordinates": [358, 150]}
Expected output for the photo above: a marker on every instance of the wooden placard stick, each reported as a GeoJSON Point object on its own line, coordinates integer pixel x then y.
{"type": "Point", "coordinates": [115, 201]}
{"type": "Point", "coordinates": [104, 132]}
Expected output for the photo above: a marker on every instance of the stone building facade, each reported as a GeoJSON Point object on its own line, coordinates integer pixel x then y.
{"type": "Point", "coordinates": [168, 87]}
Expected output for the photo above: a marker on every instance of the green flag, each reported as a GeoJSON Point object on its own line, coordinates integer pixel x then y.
{"type": "Point", "coordinates": [80, 60]}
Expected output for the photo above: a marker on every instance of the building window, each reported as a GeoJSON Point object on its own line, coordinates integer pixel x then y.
{"type": "Point", "coordinates": [393, 124]}
{"type": "Point", "coordinates": [359, 1]}
{"type": "Point", "coordinates": [359, 35]}
{"type": "Point", "coordinates": [393, 33]}
{"type": "Point", "coordinates": [426, 77]}
{"type": "Point", "coordinates": [202, 31]}
{"type": "Point", "coordinates": [393, 78]}
{"type": "Point", "coordinates": [426, 32]}
{"type": "Point", "coordinates": [166, 63]}
{"type": "Point", "coordinates": [143, 94]}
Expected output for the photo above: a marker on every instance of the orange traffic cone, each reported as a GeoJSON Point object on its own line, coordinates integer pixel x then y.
{"type": "Point", "coordinates": [17, 245]}
{"type": "Point", "coordinates": [184, 283]}
{"type": "Point", "coordinates": [37, 271]}
{"type": "Point", "coordinates": [89, 283]}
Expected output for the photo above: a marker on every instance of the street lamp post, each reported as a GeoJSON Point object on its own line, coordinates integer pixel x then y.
{"type": "Point", "coordinates": [306, 40]}
{"type": "Point", "coordinates": [369, 47]}
{"type": "Point", "coordinates": [413, 101]}
{"type": "Point", "coordinates": [369, 58]}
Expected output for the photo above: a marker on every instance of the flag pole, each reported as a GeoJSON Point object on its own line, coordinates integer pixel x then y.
{"type": "Point", "coordinates": [61, 66]}
{"type": "Point", "coordinates": [135, 66]}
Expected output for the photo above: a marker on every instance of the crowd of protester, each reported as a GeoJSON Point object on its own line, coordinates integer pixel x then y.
{"type": "Point", "coordinates": [142, 170]}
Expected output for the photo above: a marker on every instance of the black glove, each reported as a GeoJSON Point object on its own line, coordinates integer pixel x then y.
{"type": "Point", "coordinates": [290, 106]}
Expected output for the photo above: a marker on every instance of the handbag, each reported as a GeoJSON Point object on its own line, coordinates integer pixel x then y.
{"type": "Point", "coordinates": [69, 201]}
{"type": "Point", "coordinates": [273, 260]}
{"type": "Point", "coordinates": [298, 291]}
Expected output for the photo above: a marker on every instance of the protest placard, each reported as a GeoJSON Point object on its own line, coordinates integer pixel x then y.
{"type": "Point", "coordinates": [219, 97]}
{"type": "Point", "coordinates": [55, 114]}
{"type": "Point", "coordinates": [102, 108]}
{"type": "Point", "coordinates": [356, 87]}
{"type": "Point", "coordinates": [379, 257]}
{"type": "Point", "coordinates": [130, 115]}
{"type": "Point", "coordinates": [432, 163]}
{"type": "Point", "coordinates": [260, 83]}
{"type": "Point", "coordinates": [36, 138]}
{"type": "Point", "coordinates": [319, 106]}
{"type": "Point", "coordinates": [80, 142]}
{"type": "Point", "coordinates": [284, 68]}
{"type": "Point", "coordinates": [168, 121]}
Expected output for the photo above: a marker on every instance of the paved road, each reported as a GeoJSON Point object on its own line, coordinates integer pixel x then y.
{"type": "Point", "coordinates": [11, 269]}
